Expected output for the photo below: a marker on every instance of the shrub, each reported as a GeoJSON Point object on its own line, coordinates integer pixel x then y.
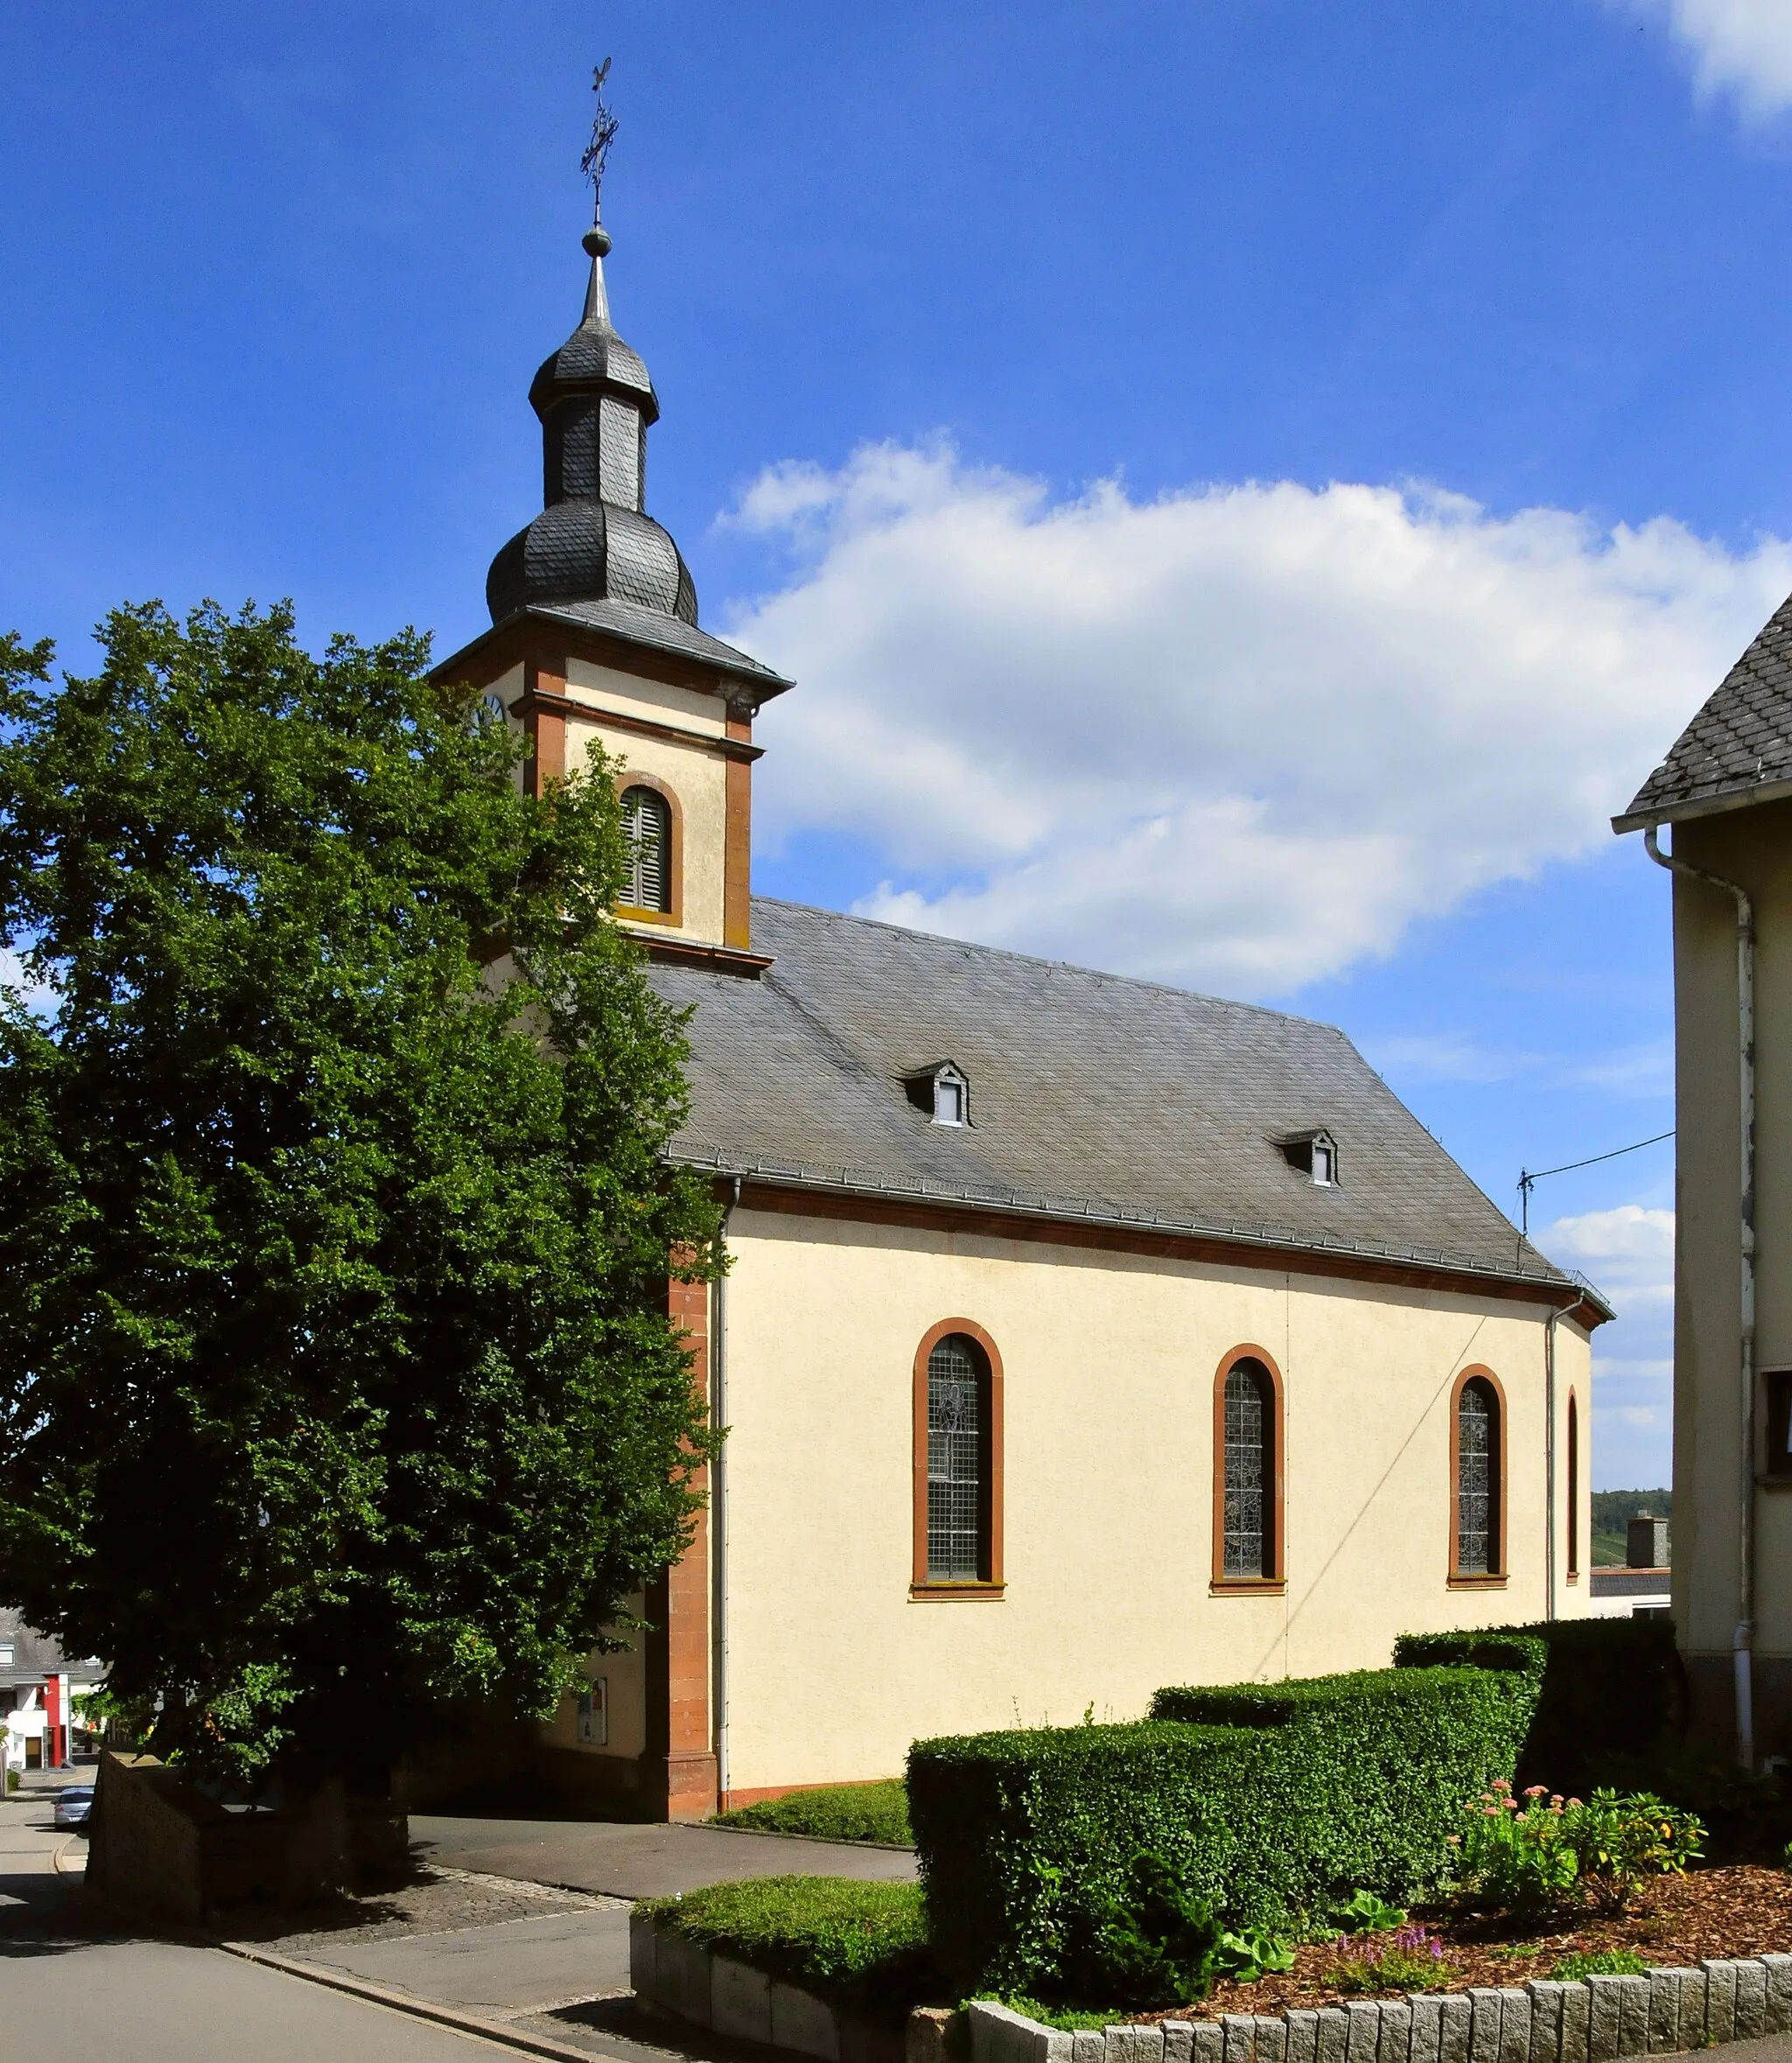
{"type": "Point", "coordinates": [1264, 1800]}
{"type": "Point", "coordinates": [840, 1812]}
{"type": "Point", "coordinates": [1518, 1858]}
{"type": "Point", "coordinates": [1413, 1961]}
{"type": "Point", "coordinates": [1367, 1913]}
{"type": "Point", "coordinates": [1620, 1841]}
{"type": "Point", "coordinates": [1744, 1814]}
{"type": "Point", "coordinates": [1600, 1962]}
{"type": "Point", "coordinates": [1526, 1858]}
{"type": "Point", "coordinates": [1150, 1945]}
{"type": "Point", "coordinates": [864, 1946]}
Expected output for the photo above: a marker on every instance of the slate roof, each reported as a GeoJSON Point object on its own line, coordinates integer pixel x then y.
{"type": "Point", "coordinates": [1738, 749]}
{"type": "Point", "coordinates": [664, 633]}
{"type": "Point", "coordinates": [36, 1655]}
{"type": "Point", "coordinates": [1092, 1097]}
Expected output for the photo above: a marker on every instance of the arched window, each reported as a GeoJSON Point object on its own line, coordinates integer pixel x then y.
{"type": "Point", "coordinates": [646, 825]}
{"type": "Point", "coordinates": [1247, 1470]}
{"type": "Point", "coordinates": [958, 1463]}
{"type": "Point", "coordinates": [1478, 1444]}
{"type": "Point", "coordinates": [1573, 1487]}
{"type": "Point", "coordinates": [957, 1452]}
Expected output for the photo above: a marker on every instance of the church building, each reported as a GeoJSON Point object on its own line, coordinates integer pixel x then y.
{"type": "Point", "coordinates": [1083, 1335]}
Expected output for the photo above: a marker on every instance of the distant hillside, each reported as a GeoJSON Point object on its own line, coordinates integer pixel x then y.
{"type": "Point", "coordinates": [1613, 1510]}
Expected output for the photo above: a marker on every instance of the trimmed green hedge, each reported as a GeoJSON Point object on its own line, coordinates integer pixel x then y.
{"type": "Point", "coordinates": [1265, 1797]}
{"type": "Point", "coordinates": [1613, 1689]}
{"type": "Point", "coordinates": [862, 1945]}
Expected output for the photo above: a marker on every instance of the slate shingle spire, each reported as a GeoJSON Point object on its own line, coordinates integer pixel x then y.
{"type": "Point", "coordinates": [593, 540]}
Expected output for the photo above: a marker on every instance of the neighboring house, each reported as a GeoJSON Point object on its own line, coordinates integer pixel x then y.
{"type": "Point", "coordinates": [1641, 1588]}
{"type": "Point", "coordinates": [1726, 790]}
{"type": "Point", "coordinates": [38, 1682]}
{"type": "Point", "coordinates": [1083, 1335]}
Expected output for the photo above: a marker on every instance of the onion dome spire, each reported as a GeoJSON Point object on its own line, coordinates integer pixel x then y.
{"type": "Point", "coordinates": [593, 540]}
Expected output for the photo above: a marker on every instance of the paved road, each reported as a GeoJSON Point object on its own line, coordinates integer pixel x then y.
{"type": "Point", "coordinates": [66, 1993]}
{"type": "Point", "coordinates": [625, 1860]}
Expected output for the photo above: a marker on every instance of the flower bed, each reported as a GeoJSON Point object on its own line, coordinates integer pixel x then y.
{"type": "Point", "coordinates": [1740, 1910]}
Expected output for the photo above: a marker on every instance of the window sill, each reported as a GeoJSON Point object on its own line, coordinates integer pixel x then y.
{"type": "Point", "coordinates": [945, 1593]}
{"type": "Point", "coordinates": [1248, 1586]}
{"type": "Point", "coordinates": [1479, 1583]}
{"type": "Point", "coordinates": [1774, 1482]}
{"type": "Point", "coordinates": [1573, 1575]}
{"type": "Point", "coordinates": [629, 914]}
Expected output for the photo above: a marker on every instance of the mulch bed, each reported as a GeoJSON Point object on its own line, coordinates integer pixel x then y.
{"type": "Point", "coordinates": [1738, 1910]}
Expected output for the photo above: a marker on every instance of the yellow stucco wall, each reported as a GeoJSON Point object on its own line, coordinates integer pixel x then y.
{"type": "Point", "coordinates": [1110, 1363]}
{"type": "Point", "coordinates": [1755, 847]}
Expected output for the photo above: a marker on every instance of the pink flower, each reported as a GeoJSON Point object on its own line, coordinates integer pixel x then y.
{"type": "Point", "coordinates": [1537, 1791]}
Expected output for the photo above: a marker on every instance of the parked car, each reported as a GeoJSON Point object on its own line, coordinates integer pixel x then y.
{"type": "Point", "coordinates": [74, 1803]}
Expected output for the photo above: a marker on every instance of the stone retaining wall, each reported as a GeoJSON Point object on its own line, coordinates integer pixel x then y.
{"type": "Point", "coordinates": [1594, 2021]}
{"type": "Point", "coordinates": [676, 1975]}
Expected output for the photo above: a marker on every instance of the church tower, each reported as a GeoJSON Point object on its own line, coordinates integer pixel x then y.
{"type": "Point", "coordinates": [595, 641]}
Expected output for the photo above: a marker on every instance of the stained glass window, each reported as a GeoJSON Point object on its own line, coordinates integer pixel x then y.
{"type": "Point", "coordinates": [1477, 1484]}
{"type": "Point", "coordinates": [958, 1386]}
{"type": "Point", "coordinates": [647, 824]}
{"type": "Point", "coordinates": [1250, 1429]}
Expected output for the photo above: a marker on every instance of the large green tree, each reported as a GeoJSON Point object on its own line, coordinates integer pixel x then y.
{"type": "Point", "coordinates": [338, 1395]}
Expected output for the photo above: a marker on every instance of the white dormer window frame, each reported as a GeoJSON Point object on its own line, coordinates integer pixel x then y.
{"type": "Point", "coordinates": [951, 1097]}
{"type": "Point", "coordinates": [1315, 1156]}
{"type": "Point", "coordinates": [942, 1092]}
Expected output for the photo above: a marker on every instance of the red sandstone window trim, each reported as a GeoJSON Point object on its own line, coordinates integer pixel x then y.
{"type": "Point", "coordinates": [1495, 1577]}
{"type": "Point", "coordinates": [1275, 1582]}
{"type": "Point", "coordinates": [992, 1588]}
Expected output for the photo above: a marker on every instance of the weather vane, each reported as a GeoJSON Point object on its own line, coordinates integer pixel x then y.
{"type": "Point", "coordinates": [596, 152]}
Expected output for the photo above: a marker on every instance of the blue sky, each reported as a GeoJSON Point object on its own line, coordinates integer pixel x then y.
{"type": "Point", "coordinates": [1245, 488]}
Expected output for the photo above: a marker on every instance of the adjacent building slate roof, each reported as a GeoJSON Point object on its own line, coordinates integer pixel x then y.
{"type": "Point", "coordinates": [1738, 749]}
{"type": "Point", "coordinates": [36, 1655]}
{"type": "Point", "coordinates": [1092, 1097]}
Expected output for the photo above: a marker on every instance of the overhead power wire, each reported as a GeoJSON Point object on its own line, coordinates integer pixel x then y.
{"type": "Point", "coordinates": [1527, 1181]}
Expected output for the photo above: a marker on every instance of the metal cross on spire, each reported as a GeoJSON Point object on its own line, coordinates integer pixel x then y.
{"type": "Point", "coordinates": [596, 152]}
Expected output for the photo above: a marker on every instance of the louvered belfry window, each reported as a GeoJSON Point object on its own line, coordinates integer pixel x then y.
{"type": "Point", "coordinates": [1249, 1429]}
{"type": "Point", "coordinates": [958, 1391]}
{"type": "Point", "coordinates": [1477, 1479]}
{"type": "Point", "coordinates": [647, 824]}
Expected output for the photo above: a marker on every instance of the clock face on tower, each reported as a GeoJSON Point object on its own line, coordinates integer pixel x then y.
{"type": "Point", "coordinates": [492, 704]}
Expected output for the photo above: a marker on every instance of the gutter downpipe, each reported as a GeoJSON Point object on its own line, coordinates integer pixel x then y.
{"type": "Point", "coordinates": [718, 1510]}
{"type": "Point", "coordinates": [1742, 1641]}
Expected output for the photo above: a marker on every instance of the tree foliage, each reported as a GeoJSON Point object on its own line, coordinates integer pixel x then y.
{"type": "Point", "coordinates": [337, 1390]}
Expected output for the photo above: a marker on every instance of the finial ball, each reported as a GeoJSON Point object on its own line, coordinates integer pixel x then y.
{"type": "Point", "coordinates": [596, 241]}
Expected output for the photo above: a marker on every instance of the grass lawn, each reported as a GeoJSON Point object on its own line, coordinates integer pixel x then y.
{"type": "Point", "coordinates": [841, 1812]}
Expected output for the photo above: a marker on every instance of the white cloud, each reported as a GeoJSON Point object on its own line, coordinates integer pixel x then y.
{"type": "Point", "coordinates": [1738, 46]}
{"type": "Point", "coordinates": [1628, 1251]}
{"type": "Point", "coordinates": [1240, 737]}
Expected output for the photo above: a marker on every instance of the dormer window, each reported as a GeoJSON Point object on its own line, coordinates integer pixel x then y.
{"type": "Point", "coordinates": [1315, 1154]}
{"type": "Point", "coordinates": [942, 1092]}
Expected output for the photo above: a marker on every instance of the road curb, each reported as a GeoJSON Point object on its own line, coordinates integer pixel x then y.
{"type": "Point", "coordinates": [408, 2002]}
{"type": "Point", "coordinates": [56, 1856]}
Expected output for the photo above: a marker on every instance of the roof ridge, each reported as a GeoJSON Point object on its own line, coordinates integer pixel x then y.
{"type": "Point", "coordinates": [1099, 974]}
